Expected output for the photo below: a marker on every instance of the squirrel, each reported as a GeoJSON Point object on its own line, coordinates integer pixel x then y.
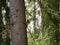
{"type": "Point", "coordinates": [27, 22]}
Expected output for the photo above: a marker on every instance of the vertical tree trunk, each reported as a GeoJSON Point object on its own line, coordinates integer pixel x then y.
{"type": "Point", "coordinates": [18, 22]}
{"type": "Point", "coordinates": [42, 17]}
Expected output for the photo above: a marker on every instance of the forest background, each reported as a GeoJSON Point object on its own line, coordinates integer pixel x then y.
{"type": "Point", "coordinates": [29, 22]}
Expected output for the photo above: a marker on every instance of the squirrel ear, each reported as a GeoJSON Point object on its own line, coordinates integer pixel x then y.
{"type": "Point", "coordinates": [28, 22]}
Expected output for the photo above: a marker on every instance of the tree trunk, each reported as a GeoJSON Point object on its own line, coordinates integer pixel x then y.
{"type": "Point", "coordinates": [42, 17]}
{"type": "Point", "coordinates": [18, 22]}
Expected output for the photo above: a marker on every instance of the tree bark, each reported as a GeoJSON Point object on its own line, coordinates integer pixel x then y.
{"type": "Point", "coordinates": [18, 22]}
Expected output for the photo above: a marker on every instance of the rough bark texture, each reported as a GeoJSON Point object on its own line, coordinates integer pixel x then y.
{"type": "Point", "coordinates": [18, 22]}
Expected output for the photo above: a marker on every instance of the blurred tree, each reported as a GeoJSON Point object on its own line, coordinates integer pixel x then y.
{"type": "Point", "coordinates": [18, 22]}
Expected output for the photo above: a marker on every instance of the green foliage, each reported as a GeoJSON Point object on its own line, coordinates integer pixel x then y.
{"type": "Point", "coordinates": [51, 24]}
{"type": "Point", "coordinates": [50, 33]}
{"type": "Point", "coordinates": [51, 20]}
